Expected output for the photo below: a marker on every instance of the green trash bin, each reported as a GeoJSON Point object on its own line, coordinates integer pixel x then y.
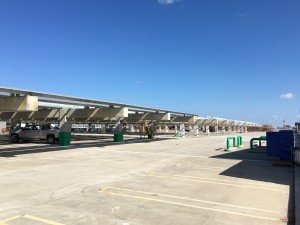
{"type": "Point", "coordinates": [118, 136]}
{"type": "Point", "coordinates": [151, 136]}
{"type": "Point", "coordinates": [64, 138]}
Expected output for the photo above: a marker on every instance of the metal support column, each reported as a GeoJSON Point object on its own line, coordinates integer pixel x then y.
{"type": "Point", "coordinates": [64, 128]}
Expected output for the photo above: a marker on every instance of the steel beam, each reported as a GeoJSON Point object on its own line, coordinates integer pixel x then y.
{"type": "Point", "coordinates": [184, 119]}
{"type": "Point", "coordinates": [59, 99]}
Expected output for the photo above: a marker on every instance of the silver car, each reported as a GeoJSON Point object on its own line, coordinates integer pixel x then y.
{"type": "Point", "coordinates": [34, 132]}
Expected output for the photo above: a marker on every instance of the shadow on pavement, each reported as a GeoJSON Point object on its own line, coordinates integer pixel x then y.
{"type": "Point", "coordinates": [256, 165]}
{"type": "Point", "coordinates": [21, 150]}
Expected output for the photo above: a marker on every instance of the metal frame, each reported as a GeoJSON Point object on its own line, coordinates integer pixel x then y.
{"type": "Point", "coordinates": [53, 101]}
{"type": "Point", "coordinates": [74, 101]}
{"type": "Point", "coordinates": [209, 120]}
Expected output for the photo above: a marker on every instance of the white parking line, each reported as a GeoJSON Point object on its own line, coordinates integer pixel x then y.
{"type": "Point", "coordinates": [191, 199]}
{"type": "Point", "coordinates": [189, 205]}
{"type": "Point", "coordinates": [211, 181]}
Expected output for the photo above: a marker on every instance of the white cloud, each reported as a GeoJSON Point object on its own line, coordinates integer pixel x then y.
{"type": "Point", "coordinates": [287, 95]}
{"type": "Point", "coordinates": [168, 2]}
{"type": "Point", "coordinates": [243, 14]}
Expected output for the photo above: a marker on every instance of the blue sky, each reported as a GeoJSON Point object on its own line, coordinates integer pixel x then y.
{"type": "Point", "coordinates": [237, 59]}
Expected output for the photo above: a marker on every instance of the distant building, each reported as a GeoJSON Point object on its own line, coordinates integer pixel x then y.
{"type": "Point", "coordinates": [297, 125]}
{"type": "Point", "coordinates": [285, 127]}
{"type": "Point", "coordinates": [267, 127]}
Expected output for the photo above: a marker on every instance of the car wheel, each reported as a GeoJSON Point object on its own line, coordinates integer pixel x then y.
{"type": "Point", "coordinates": [14, 138]}
{"type": "Point", "coordinates": [50, 139]}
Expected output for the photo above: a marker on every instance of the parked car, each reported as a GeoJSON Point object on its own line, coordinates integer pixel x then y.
{"type": "Point", "coordinates": [34, 132]}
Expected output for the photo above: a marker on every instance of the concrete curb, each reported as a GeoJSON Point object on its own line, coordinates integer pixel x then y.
{"type": "Point", "coordinates": [297, 195]}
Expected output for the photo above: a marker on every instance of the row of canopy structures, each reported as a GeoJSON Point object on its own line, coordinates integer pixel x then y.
{"type": "Point", "coordinates": [22, 106]}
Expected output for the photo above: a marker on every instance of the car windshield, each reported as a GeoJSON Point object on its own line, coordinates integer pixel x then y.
{"type": "Point", "coordinates": [35, 127]}
{"type": "Point", "coordinates": [27, 128]}
{"type": "Point", "coordinates": [31, 127]}
{"type": "Point", "coordinates": [46, 127]}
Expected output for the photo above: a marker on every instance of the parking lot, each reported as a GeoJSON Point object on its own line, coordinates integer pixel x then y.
{"type": "Point", "coordinates": [184, 181]}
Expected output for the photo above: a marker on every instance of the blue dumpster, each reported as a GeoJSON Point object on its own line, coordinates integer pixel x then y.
{"type": "Point", "coordinates": [280, 144]}
{"type": "Point", "coordinates": [273, 144]}
{"type": "Point", "coordinates": [286, 144]}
